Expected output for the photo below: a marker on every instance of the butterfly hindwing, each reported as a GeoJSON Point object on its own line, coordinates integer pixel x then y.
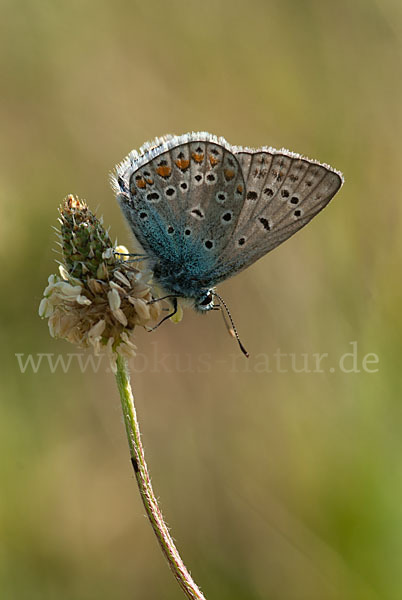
{"type": "Point", "coordinates": [283, 193]}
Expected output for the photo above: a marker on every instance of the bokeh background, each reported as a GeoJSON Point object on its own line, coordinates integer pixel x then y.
{"type": "Point", "coordinates": [277, 484]}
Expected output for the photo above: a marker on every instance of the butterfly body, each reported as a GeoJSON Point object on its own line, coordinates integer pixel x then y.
{"type": "Point", "coordinates": [202, 210]}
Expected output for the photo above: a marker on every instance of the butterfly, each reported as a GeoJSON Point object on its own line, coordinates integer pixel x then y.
{"type": "Point", "coordinates": [203, 210]}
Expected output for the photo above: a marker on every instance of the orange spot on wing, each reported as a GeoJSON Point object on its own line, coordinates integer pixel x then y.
{"type": "Point", "coordinates": [182, 163]}
{"type": "Point", "coordinates": [141, 183]}
{"type": "Point", "coordinates": [163, 170]}
{"type": "Point", "coordinates": [229, 174]}
{"type": "Point", "coordinates": [214, 161]}
{"type": "Point", "coordinates": [239, 189]}
{"type": "Point", "coordinates": [149, 181]}
{"type": "Point", "coordinates": [198, 157]}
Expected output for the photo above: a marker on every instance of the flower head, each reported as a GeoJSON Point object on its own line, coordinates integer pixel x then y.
{"type": "Point", "coordinates": [97, 299]}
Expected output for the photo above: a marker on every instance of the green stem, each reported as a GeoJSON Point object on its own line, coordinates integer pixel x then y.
{"type": "Point", "coordinates": [144, 484]}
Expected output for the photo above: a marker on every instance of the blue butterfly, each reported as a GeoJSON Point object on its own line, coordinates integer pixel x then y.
{"type": "Point", "coordinates": [203, 210]}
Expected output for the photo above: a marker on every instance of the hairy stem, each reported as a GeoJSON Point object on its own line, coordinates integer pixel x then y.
{"type": "Point", "coordinates": [144, 484]}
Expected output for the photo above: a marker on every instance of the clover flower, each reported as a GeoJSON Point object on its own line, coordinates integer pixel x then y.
{"type": "Point", "coordinates": [97, 299]}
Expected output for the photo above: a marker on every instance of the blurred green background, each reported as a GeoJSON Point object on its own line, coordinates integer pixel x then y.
{"type": "Point", "coordinates": [277, 484]}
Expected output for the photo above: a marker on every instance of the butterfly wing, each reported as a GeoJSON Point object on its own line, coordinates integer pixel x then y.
{"type": "Point", "coordinates": [203, 210]}
{"type": "Point", "coordinates": [182, 197]}
{"type": "Point", "coordinates": [283, 193]}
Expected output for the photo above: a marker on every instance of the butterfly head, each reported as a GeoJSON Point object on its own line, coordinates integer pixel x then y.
{"type": "Point", "coordinates": [204, 301]}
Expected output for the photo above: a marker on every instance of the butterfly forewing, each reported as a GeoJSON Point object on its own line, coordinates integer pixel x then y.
{"type": "Point", "coordinates": [184, 200]}
{"type": "Point", "coordinates": [215, 195]}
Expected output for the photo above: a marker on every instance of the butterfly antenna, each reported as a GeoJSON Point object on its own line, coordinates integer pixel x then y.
{"type": "Point", "coordinates": [234, 330]}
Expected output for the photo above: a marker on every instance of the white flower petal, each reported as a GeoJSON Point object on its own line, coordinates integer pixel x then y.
{"type": "Point", "coordinates": [97, 329]}
{"type": "Point", "coordinates": [63, 272]}
{"type": "Point", "coordinates": [108, 253]}
{"type": "Point", "coordinates": [126, 350]}
{"type": "Point", "coordinates": [121, 278]}
{"type": "Point", "coordinates": [117, 287]}
{"type": "Point", "coordinates": [141, 307]}
{"type": "Point", "coordinates": [95, 287]}
{"type": "Point", "coordinates": [126, 339]}
{"type": "Point", "coordinates": [83, 300]}
{"type": "Point", "coordinates": [139, 287]}
{"type": "Point", "coordinates": [45, 308]}
{"type": "Point", "coordinates": [114, 299]}
{"type": "Point", "coordinates": [120, 316]}
{"type": "Point", "coordinates": [66, 289]}
{"type": "Point", "coordinates": [95, 336]}
{"type": "Point", "coordinates": [53, 324]}
{"type": "Point", "coordinates": [52, 280]}
{"type": "Point", "coordinates": [155, 310]}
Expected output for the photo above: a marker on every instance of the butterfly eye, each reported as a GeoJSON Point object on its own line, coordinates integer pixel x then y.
{"type": "Point", "coordinates": [207, 300]}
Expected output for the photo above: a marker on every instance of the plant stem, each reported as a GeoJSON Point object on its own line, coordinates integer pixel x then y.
{"type": "Point", "coordinates": [144, 484]}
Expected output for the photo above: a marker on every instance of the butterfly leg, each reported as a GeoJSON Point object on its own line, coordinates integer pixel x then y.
{"type": "Point", "coordinates": [129, 254]}
{"type": "Point", "coordinates": [132, 260]}
{"type": "Point", "coordinates": [130, 257]}
{"type": "Point", "coordinates": [160, 299]}
{"type": "Point", "coordinates": [167, 316]}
